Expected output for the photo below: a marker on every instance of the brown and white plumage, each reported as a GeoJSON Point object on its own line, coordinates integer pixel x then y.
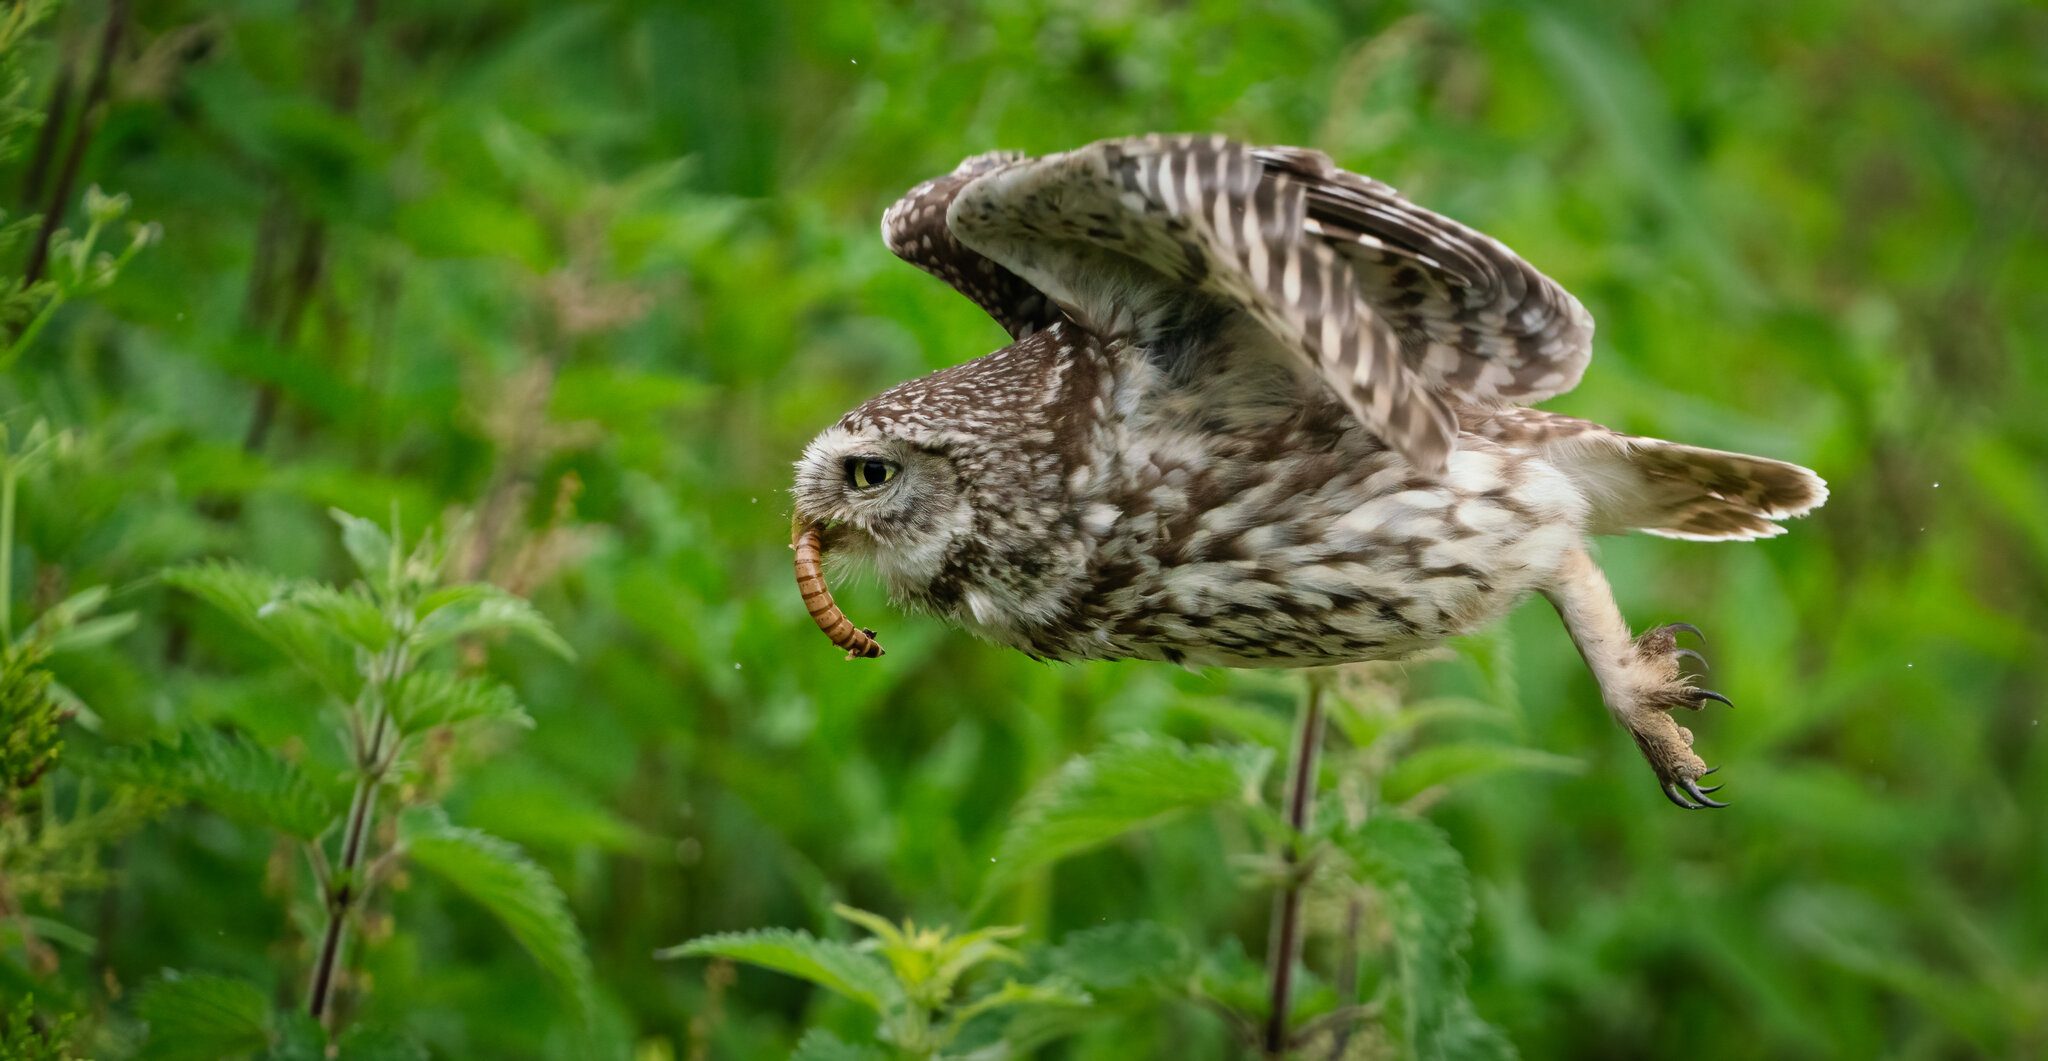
{"type": "Point", "coordinates": [1260, 411]}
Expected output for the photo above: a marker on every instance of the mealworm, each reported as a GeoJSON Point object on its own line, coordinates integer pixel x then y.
{"type": "Point", "coordinates": [809, 544]}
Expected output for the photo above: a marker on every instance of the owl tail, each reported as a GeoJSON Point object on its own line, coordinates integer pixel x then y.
{"type": "Point", "coordinates": [1663, 488]}
{"type": "Point", "coordinates": [1709, 495]}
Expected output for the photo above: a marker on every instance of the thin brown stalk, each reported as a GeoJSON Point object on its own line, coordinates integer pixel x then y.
{"type": "Point", "coordinates": [345, 886]}
{"type": "Point", "coordinates": [46, 137]}
{"type": "Point", "coordinates": [1285, 947]}
{"type": "Point", "coordinates": [74, 154]}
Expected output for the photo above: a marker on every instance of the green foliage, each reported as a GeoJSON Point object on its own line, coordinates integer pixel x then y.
{"type": "Point", "coordinates": [1128, 785]}
{"type": "Point", "coordinates": [229, 774]}
{"type": "Point", "coordinates": [25, 1037]}
{"type": "Point", "coordinates": [915, 987]}
{"type": "Point", "coordinates": [195, 1017]}
{"type": "Point", "coordinates": [499, 877]}
{"type": "Point", "coordinates": [30, 740]}
{"type": "Point", "coordinates": [584, 321]}
{"type": "Point", "coordinates": [837, 967]}
{"type": "Point", "coordinates": [1427, 899]}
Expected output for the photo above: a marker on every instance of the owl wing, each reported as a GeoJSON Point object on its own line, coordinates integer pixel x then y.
{"type": "Point", "coordinates": [1403, 312]}
{"type": "Point", "coordinates": [915, 229]}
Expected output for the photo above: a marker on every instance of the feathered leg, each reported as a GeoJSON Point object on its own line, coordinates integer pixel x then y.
{"type": "Point", "coordinates": [1639, 677]}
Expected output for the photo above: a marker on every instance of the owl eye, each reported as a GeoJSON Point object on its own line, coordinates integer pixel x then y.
{"type": "Point", "coordinates": [866, 473]}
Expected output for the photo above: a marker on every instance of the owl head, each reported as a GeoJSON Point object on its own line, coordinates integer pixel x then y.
{"type": "Point", "coordinates": [954, 485]}
{"type": "Point", "coordinates": [888, 495]}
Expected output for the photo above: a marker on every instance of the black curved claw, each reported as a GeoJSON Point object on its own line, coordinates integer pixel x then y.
{"type": "Point", "coordinates": [1671, 793]}
{"type": "Point", "coordinates": [1692, 789]}
{"type": "Point", "coordinates": [1709, 694]}
{"type": "Point", "coordinates": [1696, 657]}
{"type": "Point", "coordinates": [1709, 770]}
{"type": "Point", "coordinates": [1688, 628]}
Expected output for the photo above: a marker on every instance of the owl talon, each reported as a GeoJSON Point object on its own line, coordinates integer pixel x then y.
{"type": "Point", "coordinates": [1688, 628]}
{"type": "Point", "coordinates": [1686, 653]}
{"type": "Point", "coordinates": [1704, 695]}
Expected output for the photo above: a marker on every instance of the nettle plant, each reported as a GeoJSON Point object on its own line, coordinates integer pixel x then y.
{"type": "Point", "coordinates": [388, 653]}
{"type": "Point", "coordinates": [1392, 898]}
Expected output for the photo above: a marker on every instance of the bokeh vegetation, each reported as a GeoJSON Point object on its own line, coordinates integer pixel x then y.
{"type": "Point", "coordinates": [574, 283]}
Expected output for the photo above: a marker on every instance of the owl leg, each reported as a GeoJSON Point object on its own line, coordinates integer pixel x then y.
{"type": "Point", "coordinates": [1639, 677]}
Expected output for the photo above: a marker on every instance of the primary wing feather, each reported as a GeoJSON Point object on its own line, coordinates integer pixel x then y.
{"type": "Point", "coordinates": [1402, 312]}
{"type": "Point", "coordinates": [1475, 320]}
{"type": "Point", "coordinates": [915, 229]}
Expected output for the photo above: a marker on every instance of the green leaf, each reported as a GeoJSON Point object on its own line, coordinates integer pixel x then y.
{"type": "Point", "coordinates": [837, 967]}
{"type": "Point", "coordinates": [370, 1043]}
{"type": "Point", "coordinates": [428, 698]}
{"type": "Point", "coordinates": [1053, 993]}
{"type": "Point", "coordinates": [821, 1045]}
{"type": "Point", "coordinates": [1129, 785]}
{"type": "Point", "coordinates": [243, 593]}
{"type": "Point", "coordinates": [233, 776]}
{"type": "Point", "coordinates": [368, 546]}
{"type": "Point", "coordinates": [203, 1018]}
{"type": "Point", "coordinates": [26, 1037]}
{"type": "Point", "coordinates": [350, 613]}
{"type": "Point", "coordinates": [484, 609]}
{"type": "Point", "coordinates": [1445, 764]}
{"type": "Point", "coordinates": [1427, 897]}
{"type": "Point", "coordinates": [519, 893]}
{"type": "Point", "coordinates": [1110, 958]}
{"type": "Point", "coordinates": [69, 625]}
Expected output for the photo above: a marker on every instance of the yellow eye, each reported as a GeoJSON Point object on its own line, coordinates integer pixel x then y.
{"type": "Point", "coordinates": [866, 473]}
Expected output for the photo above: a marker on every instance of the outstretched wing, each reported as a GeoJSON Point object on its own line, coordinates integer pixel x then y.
{"type": "Point", "coordinates": [1403, 312]}
{"type": "Point", "coordinates": [915, 229]}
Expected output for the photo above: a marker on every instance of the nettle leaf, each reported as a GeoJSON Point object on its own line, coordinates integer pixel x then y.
{"type": "Point", "coordinates": [1428, 901]}
{"type": "Point", "coordinates": [370, 1043]}
{"type": "Point", "coordinates": [233, 776]}
{"type": "Point", "coordinates": [1446, 764]}
{"type": "Point", "coordinates": [243, 593]}
{"type": "Point", "coordinates": [428, 698]}
{"type": "Point", "coordinates": [1129, 785]}
{"type": "Point", "coordinates": [1121, 957]}
{"type": "Point", "coordinates": [350, 613]}
{"type": "Point", "coordinates": [821, 1045]}
{"type": "Point", "coordinates": [840, 968]}
{"type": "Point", "coordinates": [70, 625]}
{"type": "Point", "coordinates": [367, 545]}
{"type": "Point", "coordinates": [485, 609]}
{"type": "Point", "coordinates": [519, 893]}
{"type": "Point", "coordinates": [204, 1018]}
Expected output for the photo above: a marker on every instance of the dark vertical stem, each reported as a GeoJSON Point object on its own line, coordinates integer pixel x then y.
{"type": "Point", "coordinates": [308, 261]}
{"type": "Point", "coordinates": [54, 119]}
{"type": "Point", "coordinates": [1285, 948]}
{"type": "Point", "coordinates": [88, 119]}
{"type": "Point", "coordinates": [344, 93]}
{"type": "Point", "coordinates": [344, 888]}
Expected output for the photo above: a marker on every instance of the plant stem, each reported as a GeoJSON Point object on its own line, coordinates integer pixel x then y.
{"type": "Point", "coordinates": [1285, 947]}
{"type": "Point", "coordinates": [344, 890]}
{"type": "Point", "coordinates": [88, 120]}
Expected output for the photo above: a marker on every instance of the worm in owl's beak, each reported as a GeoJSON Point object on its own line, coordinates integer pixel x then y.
{"type": "Point", "coordinates": [809, 542]}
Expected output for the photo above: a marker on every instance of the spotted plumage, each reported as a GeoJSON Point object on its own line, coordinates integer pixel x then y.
{"type": "Point", "coordinates": [1259, 412]}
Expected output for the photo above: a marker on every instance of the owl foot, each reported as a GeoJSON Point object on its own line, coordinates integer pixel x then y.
{"type": "Point", "coordinates": [1653, 685]}
{"type": "Point", "coordinates": [1640, 678]}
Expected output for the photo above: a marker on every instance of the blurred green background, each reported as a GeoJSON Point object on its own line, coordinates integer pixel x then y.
{"type": "Point", "coordinates": [593, 274]}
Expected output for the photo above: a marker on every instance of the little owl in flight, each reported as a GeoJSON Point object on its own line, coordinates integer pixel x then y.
{"type": "Point", "coordinates": [1259, 412]}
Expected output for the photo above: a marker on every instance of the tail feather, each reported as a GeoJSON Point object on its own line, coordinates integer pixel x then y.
{"type": "Point", "coordinates": [1663, 488]}
{"type": "Point", "coordinates": [1712, 495]}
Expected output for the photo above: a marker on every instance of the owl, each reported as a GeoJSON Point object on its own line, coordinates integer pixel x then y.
{"type": "Point", "coordinates": [1259, 412]}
